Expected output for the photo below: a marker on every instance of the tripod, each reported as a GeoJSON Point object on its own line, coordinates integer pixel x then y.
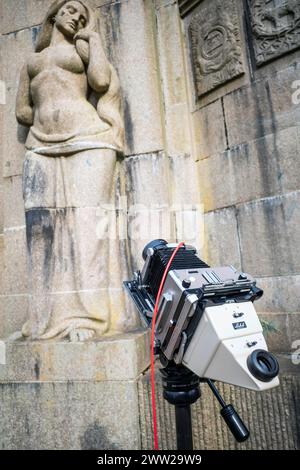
{"type": "Point", "coordinates": [181, 388]}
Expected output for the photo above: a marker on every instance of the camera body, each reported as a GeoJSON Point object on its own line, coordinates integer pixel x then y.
{"type": "Point", "coordinates": [206, 318]}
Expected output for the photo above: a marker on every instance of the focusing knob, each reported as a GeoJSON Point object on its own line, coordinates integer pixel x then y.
{"type": "Point", "coordinates": [186, 283]}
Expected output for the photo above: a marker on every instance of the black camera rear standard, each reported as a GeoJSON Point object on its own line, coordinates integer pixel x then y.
{"type": "Point", "coordinates": [263, 365]}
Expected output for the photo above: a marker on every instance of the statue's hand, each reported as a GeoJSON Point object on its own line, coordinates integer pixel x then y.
{"type": "Point", "coordinates": [87, 35]}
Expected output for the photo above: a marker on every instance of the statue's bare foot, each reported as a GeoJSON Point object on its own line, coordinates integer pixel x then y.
{"type": "Point", "coordinates": [81, 334]}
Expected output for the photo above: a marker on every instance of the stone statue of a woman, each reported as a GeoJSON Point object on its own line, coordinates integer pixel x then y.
{"type": "Point", "coordinates": [68, 175]}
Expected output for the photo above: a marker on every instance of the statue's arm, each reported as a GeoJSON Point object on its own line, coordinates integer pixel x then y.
{"type": "Point", "coordinates": [98, 71]}
{"type": "Point", "coordinates": [24, 108]}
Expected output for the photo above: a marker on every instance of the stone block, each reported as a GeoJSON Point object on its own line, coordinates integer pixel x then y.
{"type": "Point", "coordinates": [148, 202]}
{"type": "Point", "coordinates": [262, 108]}
{"type": "Point", "coordinates": [132, 50]}
{"type": "Point", "coordinates": [17, 47]}
{"type": "Point", "coordinates": [14, 275]}
{"type": "Point", "coordinates": [184, 180]}
{"type": "Point", "coordinates": [221, 238]}
{"type": "Point", "coordinates": [270, 234]}
{"type": "Point", "coordinates": [173, 79]}
{"type": "Point", "coordinates": [294, 330]}
{"type": "Point", "coordinates": [21, 14]}
{"type": "Point", "coordinates": [269, 165]}
{"type": "Point", "coordinates": [69, 416]}
{"type": "Point", "coordinates": [12, 191]}
{"type": "Point", "coordinates": [91, 360]}
{"type": "Point", "coordinates": [84, 394]}
{"type": "Point", "coordinates": [287, 365]}
{"type": "Point", "coordinates": [281, 294]}
{"type": "Point", "coordinates": [282, 88]}
{"type": "Point", "coordinates": [275, 326]}
{"type": "Point", "coordinates": [208, 126]}
{"type": "Point", "coordinates": [170, 50]}
{"type": "Point", "coordinates": [177, 121]}
{"type": "Point", "coordinates": [186, 208]}
{"type": "Point", "coordinates": [13, 314]}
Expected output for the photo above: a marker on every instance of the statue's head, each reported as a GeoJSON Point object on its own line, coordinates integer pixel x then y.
{"type": "Point", "coordinates": [69, 16]}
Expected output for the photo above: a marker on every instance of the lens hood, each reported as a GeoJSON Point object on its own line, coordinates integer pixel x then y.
{"type": "Point", "coordinates": [153, 244]}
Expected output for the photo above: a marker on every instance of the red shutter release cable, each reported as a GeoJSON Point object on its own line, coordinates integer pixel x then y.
{"type": "Point", "coordinates": [154, 417]}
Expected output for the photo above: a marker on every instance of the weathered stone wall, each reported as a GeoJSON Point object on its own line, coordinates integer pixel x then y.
{"type": "Point", "coordinates": [272, 417]}
{"type": "Point", "coordinates": [227, 137]}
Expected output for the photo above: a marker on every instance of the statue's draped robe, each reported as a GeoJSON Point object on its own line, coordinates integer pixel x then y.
{"type": "Point", "coordinates": [75, 268]}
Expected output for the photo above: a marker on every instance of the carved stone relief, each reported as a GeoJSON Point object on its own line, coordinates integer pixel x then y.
{"type": "Point", "coordinates": [68, 178]}
{"type": "Point", "coordinates": [275, 26]}
{"type": "Point", "coordinates": [215, 39]}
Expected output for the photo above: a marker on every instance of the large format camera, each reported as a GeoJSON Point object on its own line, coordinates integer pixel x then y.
{"type": "Point", "coordinates": [206, 321]}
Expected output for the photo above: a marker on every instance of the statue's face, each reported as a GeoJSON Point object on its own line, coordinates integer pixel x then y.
{"type": "Point", "coordinates": [71, 18]}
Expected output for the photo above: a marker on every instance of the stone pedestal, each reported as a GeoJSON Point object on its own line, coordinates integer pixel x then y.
{"type": "Point", "coordinates": [61, 395]}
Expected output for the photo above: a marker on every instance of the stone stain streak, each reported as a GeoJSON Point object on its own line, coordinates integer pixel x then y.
{"type": "Point", "coordinates": [114, 34]}
{"type": "Point", "coordinates": [22, 133]}
{"type": "Point", "coordinates": [40, 229]}
{"type": "Point", "coordinates": [112, 13]}
{"type": "Point", "coordinates": [249, 42]}
{"type": "Point", "coordinates": [120, 215]}
{"type": "Point", "coordinates": [116, 21]}
{"type": "Point", "coordinates": [225, 124]}
{"type": "Point", "coordinates": [129, 192]}
{"type": "Point", "coordinates": [35, 180]}
{"type": "Point", "coordinates": [95, 438]}
{"type": "Point", "coordinates": [34, 34]}
{"type": "Point", "coordinates": [37, 368]}
{"type": "Point", "coordinates": [110, 30]}
{"type": "Point", "coordinates": [129, 126]}
{"type": "Point", "coordinates": [276, 153]}
{"type": "Point", "coordinates": [262, 148]}
{"type": "Point", "coordinates": [27, 425]}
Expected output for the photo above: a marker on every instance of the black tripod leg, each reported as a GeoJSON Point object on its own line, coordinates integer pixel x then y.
{"type": "Point", "coordinates": [181, 388]}
{"type": "Point", "coordinates": [184, 427]}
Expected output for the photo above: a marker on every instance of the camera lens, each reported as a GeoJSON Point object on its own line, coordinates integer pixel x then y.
{"type": "Point", "coordinates": [153, 244]}
{"type": "Point", "coordinates": [263, 365]}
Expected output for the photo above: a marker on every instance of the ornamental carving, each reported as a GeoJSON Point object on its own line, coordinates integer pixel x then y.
{"type": "Point", "coordinates": [275, 26]}
{"type": "Point", "coordinates": [215, 39]}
